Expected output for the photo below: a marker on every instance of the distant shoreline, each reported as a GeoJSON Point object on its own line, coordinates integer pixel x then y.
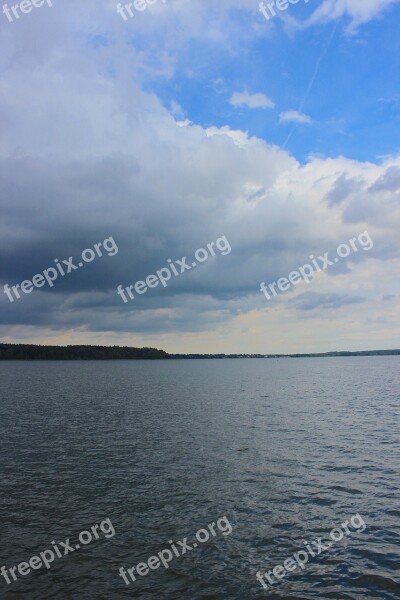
{"type": "Point", "coordinates": [311, 355]}
{"type": "Point", "coordinates": [37, 352]}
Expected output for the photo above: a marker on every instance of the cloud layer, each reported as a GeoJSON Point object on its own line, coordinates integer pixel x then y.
{"type": "Point", "coordinates": [87, 152]}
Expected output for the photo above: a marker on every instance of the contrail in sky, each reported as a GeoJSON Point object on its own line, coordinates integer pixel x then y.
{"type": "Point", "coordinates": [310, 85]}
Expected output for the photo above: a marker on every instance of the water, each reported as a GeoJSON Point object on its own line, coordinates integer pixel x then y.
{"type": "Point", "coordinates": [286, 449]}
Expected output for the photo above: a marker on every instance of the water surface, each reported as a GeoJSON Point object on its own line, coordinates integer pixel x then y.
{"type": "Point", "coordinates": [287, 449]}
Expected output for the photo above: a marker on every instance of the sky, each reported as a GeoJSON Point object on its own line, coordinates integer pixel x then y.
{"type": "Point", "coordinates": [195, 122]}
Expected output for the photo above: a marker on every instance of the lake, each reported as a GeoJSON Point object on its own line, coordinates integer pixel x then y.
{"type": "Point", "coordinates": [271, 453]}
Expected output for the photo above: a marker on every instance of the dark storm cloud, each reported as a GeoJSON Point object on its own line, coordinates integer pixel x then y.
{"type": "Point", "coordinates": [313, 300]}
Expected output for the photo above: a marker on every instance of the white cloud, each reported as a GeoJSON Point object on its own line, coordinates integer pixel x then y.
{"type": "Point", "coordinates": [294, 116]}
{"type": "Point", "coordinates": [359, 11]}
{"type": "Point", "coordinates": [177, 110]}
{"type": "Point", "coordinates": [240, 138]}
{"type": "Point", "coordinates": [251, 100]}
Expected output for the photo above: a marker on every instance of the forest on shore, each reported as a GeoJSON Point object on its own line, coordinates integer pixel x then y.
{"type": "Point", "coordinates": [35, 352]}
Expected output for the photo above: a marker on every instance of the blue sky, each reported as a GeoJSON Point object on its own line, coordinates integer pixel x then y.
{"type": "Point", "coordinates": [354, 102]}
{"type": "Point", "coordinates": [188, 122]}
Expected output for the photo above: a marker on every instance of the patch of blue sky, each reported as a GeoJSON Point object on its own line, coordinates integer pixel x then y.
{"type": "Point", "coordinates": [352, 102]}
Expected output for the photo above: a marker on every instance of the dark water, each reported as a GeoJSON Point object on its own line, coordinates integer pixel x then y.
{"type": "Point", "coordinates": [285, 449]}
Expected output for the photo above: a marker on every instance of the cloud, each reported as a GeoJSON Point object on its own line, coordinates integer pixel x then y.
{"type": "Point", "coordinates": [92, 153]}
{"type": "Point", "coordinates": [177, 110]}
{"type": "Point", "coordinates": [294, 116]}
{"type": "Point", "coordinates": [341, 190]}
{"type": "Point", "coordinates": [251, 100]}
{"type": "Point", "coordinates": [388, 182]}
{"type": "Point", "coordinates": [313, 300]}
{"type": "Point", "coordinates": [357, 11]}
